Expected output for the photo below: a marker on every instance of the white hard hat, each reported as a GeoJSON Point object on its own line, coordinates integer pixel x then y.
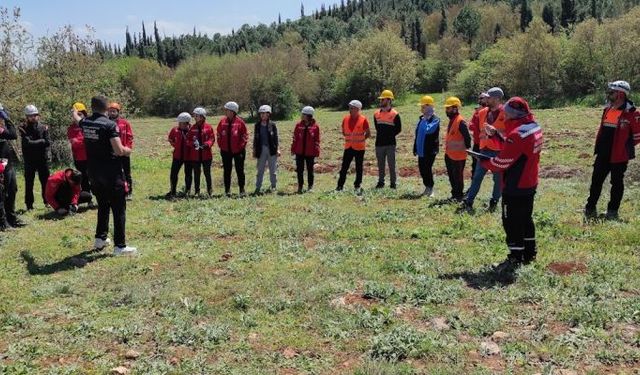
{"type": "Point", "coordinates": [620, 86]}
{"type": "Point", "coordinates": [184, 117]}
{"type": "Point", "coordinates": [30, 110]}
{"type": "Point", "coordinates": [264, 109]}
{"type": "Point", "coordinates": [200, 111]}
{"type": "Point", "coordinates": [232, 106]}
{"type": "Point", "coordinates": [308, 110]}
{"type": "Point", "coordinates": [355, 104]}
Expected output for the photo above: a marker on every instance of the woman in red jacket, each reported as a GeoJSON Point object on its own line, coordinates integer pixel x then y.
{"type": "Point", "coordinates": [178, 140]}
{"type": "Point", "coordinates": [78, 150]}
{"type": "Point", "coordinates": [306, 146]}
{"type": "Point", "coordinates": [200, 139]}
{"type": "Point", "coordinates": [126, 137]}
{"type": "Point", "coordinates": [232, 140]}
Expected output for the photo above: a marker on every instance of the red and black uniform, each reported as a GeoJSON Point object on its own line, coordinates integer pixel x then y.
{"type": "Point", "coordinates": [179, 141]}
{"type": "Point", "coordinates": [475, 132]}
{"type": "Point", "coordinates": [9, 186]}
{"type": "Point", "coordinates": [519, 162]}
{"type": "Point", "coordinates": [126, 137]}
{"type": "Point", "coordinates": [79, 152]}
{"type": "Point", "coordinates": [306, 147]}
{"type": "Point", "coordinates": [618, 134]}
{"type": "Point", "coordinates": [61, 192]}
{"type": "Point", "coordinates": [200, 140]}
{"type": "Point", "coordinates": [232, 140]}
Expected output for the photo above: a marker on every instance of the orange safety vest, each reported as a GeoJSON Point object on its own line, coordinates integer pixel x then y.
{"type": "Point", "coordinates": [485, 141]}
{"type": "Point", "coordinates": [385, 118]}
{"type": "Point", "coordinates": [354, 139]}
{"type": "Point", "coordinates": [611, 118]}
{"type": "Point", "coordinates": [454, 141]}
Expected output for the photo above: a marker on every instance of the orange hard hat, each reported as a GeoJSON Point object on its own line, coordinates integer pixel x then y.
{"type": "Point", "coordinates": [114, 105]}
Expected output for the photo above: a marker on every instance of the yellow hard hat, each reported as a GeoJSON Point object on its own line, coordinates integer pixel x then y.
{"type": "Point", "coordinates": [386, 94]}
{"type": "Point", "coordinates": [452, 101]}
{"type": "Point", "coordinates": [426, 100]}
{"type": "Point", "coordinates": [79, 107]}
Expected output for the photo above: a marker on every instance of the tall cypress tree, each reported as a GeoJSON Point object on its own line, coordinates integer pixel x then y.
{"type": "Point", "coordinates": [568, 14]}
{"type": "Point", "coordinates": [548, 17]}
{"type": "Point", "coordinates": [526, 15]}
{"type": "Point", "coordinates": [442, 28]}
{"type": "Point", "coordinates": [159, 46]}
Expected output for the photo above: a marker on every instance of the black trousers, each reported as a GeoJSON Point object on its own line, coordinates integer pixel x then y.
{"type": "Point", "coordinates": [110, 194]}
{"type": "Point", "coordinates": [199, 167]}
{"type": "Point", "coordinates": [228, 161]}
{"type": "Point", "coordinates": [176, 165]}
{"type": "Point", "coordinates": [9, 195]}
{"type": "Point", "coordinates": [455, 170]}
{"type": "Point", "coordinates": [82, 167]}
{"type": "Point", "coordinates": [30, 170]}
{"type": "Point", "coordinates": [126, 168]}
{"type": "Point", "coordinates": [601, 169]}
{"type": "Point", "coordinates": [517, 221]}
{"type": "Point", "coordinates": [300, 163]}
{"type": "Point", "coordinates": [425, 165]}
{"type": "Point", "coordinates": [347, 158]}
{"type": "Point", "coordinates": [64, 195]}
{"type": "Point", "coordinates": [474, 161]}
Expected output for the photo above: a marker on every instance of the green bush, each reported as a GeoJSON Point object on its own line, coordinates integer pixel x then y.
{"type": "Point", "coordinates": [433, 75]}
{"type": "Point", "coordinates": [396, 345]}
{"type": "Point", "coordinates": [277, 92]}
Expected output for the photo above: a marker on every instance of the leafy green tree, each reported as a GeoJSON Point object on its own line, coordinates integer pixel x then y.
{"type": "Point", "coordinates": [467, 23]}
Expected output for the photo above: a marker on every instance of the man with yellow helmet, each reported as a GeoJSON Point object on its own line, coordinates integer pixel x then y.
{"type": "Point", "coordinates": [457, 141]}
{"type": "Point", "coordinates": [388, 126]}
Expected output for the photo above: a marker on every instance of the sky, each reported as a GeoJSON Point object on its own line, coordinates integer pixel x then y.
{"type": "Point", "coordinates": [110, 18]}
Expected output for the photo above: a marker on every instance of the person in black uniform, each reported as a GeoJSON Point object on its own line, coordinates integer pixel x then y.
{"type": "Point", "coordinates": [8, 199]}
{"type": "Point", "coordinates": [104, 149]}
{"type": "Point", "coordinates": [34, 137]}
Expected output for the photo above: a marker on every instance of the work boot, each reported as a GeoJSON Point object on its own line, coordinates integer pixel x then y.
{"type": "Point", "coordinates": [125, 250]}
{"type": "Point", "coordinates": [493, 204]}
{"type": "Point", "coordinates": [506, 270]}
{"type": "Point", "coordinates": [380, 185]}
{"type": "Point", "coordinates": [611, 215]}
{"type": "Point", "coordinates": [16, 223]}
{"type": "Point", "coordinates": [100, 244]}
{"type": "Point", "coordinates": [339, 188]}
{"type": "Point", "coordinates": [590, 212]}
{"type": "Point", "coordinates": [393, 186]}
{"type": "Point", "coordinates": [300, 191]}
{"type": "Point", "coordinates": [310, 189]}
{"type": "Point", "coordinates": [428, 192]}
{"type": "Point", "coordinates": [465, 207]}
{"type": "Point", "coordinates": [129, 196]}
{"type": "Point", "coordinates": [170, 195]}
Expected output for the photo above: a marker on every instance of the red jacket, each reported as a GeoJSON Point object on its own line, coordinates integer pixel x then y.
{"type": "Point", "coordinates": [519, 160]}
{"type": "Point", "coordinates": [54, 183]}
{"type": "Point", "coordinates": [76, 138]}
{"type": "Point", "coordinates": [474, 127]}
{"type": "Point", "coordinates": [626, 135]}
{"type": "Point", "coordinates": [232, 139]}
{"type": "Point", "coordinates": [178, 139]}
{"type": "Point", "coordinates": [306, 140]}
{"type": "Point", "coordinates": [126, 133]}
{"type": "Point", "coordinates": [205, 137]}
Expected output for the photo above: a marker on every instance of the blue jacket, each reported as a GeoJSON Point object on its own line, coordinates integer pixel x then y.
{"type": "Point", "coordinates": [427, 141]}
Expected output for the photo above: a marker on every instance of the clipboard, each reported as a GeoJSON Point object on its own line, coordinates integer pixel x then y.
{"type": "Point", "coordinates": [478, 155]}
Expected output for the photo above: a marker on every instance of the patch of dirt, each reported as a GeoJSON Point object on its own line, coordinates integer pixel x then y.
{"type": "Point", "coordinates": [567, 268]}
{"type": "Point", "coordinates": [352, 300]}
{"type": "Point", "coordinates": [585, 155]}
{"type": "Point", "coordinates": [559, 172]}
{"type": "Point", "coordinates": [325, 168]}
{"type": "Point", "coordinates": [226, 257]}
{"type": "Point", "coordinates": [407, 172]}
{"type": "Point", "coordinates": [493, 363]}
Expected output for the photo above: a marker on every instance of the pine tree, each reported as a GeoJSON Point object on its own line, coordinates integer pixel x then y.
{"type": "Point", "coordinates": [548, 17]}
{"type": "Point", "coordinates": [144, 35]}
{"type": "Point", "coordinates": [568, 14]}
{"type": "Point", "coordinates": [301, 10]}
{"type": "Point", "coordinates": [442, 28]}
{"type": "Point", "coordinates": [159, 46]}
{"type": "Point", "coordinates": [279, 19]}
{"type": "Point", "coordinates": [128, 47]}
{"type": "Point", "coordinates": [526, 15]}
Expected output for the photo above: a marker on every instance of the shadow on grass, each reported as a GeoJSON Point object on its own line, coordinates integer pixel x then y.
{"type": "Point", "coordinates": [184, 197]}
{"type": "Point", "coordinates": [411, 196]}
{"type": "Point", "coordinates": [52, 215]}
{"type": "Point", "coordinates": [481, 280]}
{"type": "Point", "coordinates": [66, 264]}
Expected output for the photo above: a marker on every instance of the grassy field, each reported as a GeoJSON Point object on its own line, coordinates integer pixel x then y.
{"type": "Point", "coordinates": [329, 283]}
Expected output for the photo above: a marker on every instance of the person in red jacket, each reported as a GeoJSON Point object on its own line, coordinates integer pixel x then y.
{"type": "Point", "coordinates": [64, 191]}
{"type": "Point", "coordinates": [617, 137]}
{"type": "Point", "coordinates": [200, 139]}
{"type": "Point", "coordinates": [306, 146]}
{"type": "Point", "coordinates": [232, 140]}
{"type": "Point", "coordinates": [473, 127]}
{"type": "Point", "coordinates": [519, 163]}
{"type": "Point", "coordinates": [126, 137]}
{"type": "Point", "coordinates": [178, 139]}
{"type": "Point", "coordinates": [78, 150]}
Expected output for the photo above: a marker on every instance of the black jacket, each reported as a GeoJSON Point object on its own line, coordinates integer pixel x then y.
{"type": "Point", "coordinates": [35, 142]}
{"type": "Point", "coordinates": [386, 134]}
{"type": "Point", "coordinates": [273, 139]}
{"type": "Point", "coordinates": [9, 134]}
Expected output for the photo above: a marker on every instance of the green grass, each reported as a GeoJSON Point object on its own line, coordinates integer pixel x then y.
{"type": "Point", "coordinates": [327, 282]}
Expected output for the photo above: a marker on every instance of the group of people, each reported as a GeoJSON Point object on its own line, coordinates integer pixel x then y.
{"type": "Point", "coordinates": [503, 138]}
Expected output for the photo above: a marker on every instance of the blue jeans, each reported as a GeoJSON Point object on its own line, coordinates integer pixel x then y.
{"type": "Point", "coordinates": [478, 176]}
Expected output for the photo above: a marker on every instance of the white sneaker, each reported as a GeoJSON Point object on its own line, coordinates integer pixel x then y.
{"type": "Point", "coordinates": [127, 250]}
{"type": "Point", "coordinates": [100, 244]}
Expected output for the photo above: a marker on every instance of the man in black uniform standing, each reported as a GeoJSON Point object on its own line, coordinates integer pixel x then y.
{"type": "Point", "coordinates": [104, 149]}
{"type": "Point", "coordinates": [35, 152]}
{"type": "Point", "coordinates": [8, 133]}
